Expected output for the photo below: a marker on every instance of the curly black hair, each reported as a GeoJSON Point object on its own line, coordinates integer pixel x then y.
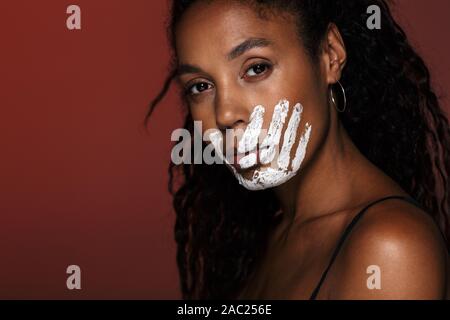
{"type": "Point", "coordinates": [393, 117]}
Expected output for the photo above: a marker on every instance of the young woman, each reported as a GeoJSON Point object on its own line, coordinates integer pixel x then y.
{"type": "Point", "coordinates": [358, 208]}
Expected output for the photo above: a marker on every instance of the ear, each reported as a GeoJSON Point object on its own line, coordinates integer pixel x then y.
{"type": "Point", "coordinates": [334, 54]}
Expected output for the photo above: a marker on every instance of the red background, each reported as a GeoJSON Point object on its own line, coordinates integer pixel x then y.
{"type": "Point", "coordinates": [81, 182]}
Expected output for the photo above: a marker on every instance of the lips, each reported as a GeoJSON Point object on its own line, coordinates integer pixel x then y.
{"type": "Point", "coordinates": [237, 157]}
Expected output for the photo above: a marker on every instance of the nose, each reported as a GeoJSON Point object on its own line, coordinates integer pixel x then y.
{"type": "Point", "coordinates": [231, 112]}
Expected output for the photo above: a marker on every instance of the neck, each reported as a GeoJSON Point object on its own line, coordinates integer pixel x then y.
{"type": "Point", "coordinates": [330, 182]}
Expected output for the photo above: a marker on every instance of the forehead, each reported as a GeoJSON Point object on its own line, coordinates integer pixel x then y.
{"type": "Point", "coordinates": [214, 27]}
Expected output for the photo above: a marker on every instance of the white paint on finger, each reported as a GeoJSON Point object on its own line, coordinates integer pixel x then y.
{"type": "Point", "coordinates": [249, 139]}
{"type": "Point", "coordinates": [289, 137]}
{"type": "Point", "coordinates": [272, 140]}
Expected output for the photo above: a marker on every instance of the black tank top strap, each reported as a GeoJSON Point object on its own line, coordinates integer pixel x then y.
{"type": "Point", "coordinates": [347, 231]}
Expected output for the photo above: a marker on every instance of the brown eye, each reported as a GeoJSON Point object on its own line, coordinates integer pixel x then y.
{"type": "Point", "coordinates": [198, 88]}
{"type": "Point", "coordinates": [257, 69]}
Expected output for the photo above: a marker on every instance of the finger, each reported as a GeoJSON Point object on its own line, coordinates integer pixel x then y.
{"type": "Point", "coordinates": [301, 148]}
{"type": "Point", "coordinates": [248, 161]}
{"type": "Point", "coordinates": [249, 139]}
{"type": "Point", "coordinates": [271, 141]}
{"type": "Point", "coordinates": [289, 137]}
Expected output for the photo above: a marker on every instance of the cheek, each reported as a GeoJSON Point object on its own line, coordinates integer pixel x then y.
{"type": "Point", "coordinates": [319, 120]}
{"type": "Point", "coordinates": [301, 82]}
{"type": "Point", "coordinates": [205, 115]}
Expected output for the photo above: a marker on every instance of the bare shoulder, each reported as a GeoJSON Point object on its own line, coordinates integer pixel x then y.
{"type": "Point", "coordinates": [395, 251]}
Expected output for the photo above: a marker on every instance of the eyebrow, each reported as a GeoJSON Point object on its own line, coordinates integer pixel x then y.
{"type": "Point", "coordinates": [233, 54]}
{"type": "Point", "coordinates": [188, 68]}
{"type": "Point", "coordinates": [247, 45]}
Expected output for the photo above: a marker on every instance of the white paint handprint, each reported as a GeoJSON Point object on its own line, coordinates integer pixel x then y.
{"type": "Point", "coordinates": [283, 168]}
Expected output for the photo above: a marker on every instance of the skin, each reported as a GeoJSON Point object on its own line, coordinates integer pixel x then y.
{"type": "Point", "coordinates": [335, 180]}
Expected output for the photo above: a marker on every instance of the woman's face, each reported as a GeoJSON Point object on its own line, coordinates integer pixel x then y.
{"type": "Point", "coordinates": [246, 73]}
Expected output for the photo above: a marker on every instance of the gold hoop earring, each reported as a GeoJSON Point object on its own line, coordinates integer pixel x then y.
{"type": "Point", "coordinates": [343, 97]}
